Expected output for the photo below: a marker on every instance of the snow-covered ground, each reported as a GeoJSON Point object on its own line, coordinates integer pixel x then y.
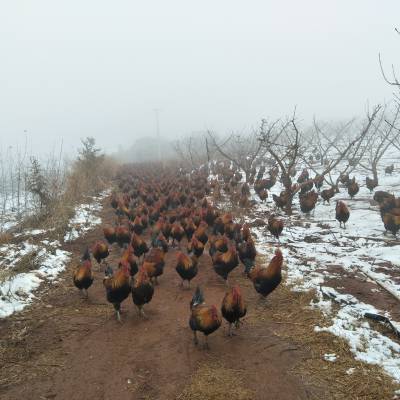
{"type": "Point", "coordinates": [318, 253]}
{"type": "Point", "coordinates": [44, 259]}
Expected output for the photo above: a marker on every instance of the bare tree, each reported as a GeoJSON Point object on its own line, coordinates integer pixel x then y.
{"type": "Point", "coordinates": [193, 151]}
{"type": "Point", "coordinates": [242, 150]}
{"type": "Point", "coordinates": [288, 146]}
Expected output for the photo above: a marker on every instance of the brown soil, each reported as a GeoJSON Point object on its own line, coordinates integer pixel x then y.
{"type": "Point", "coordinates": [65, 347]}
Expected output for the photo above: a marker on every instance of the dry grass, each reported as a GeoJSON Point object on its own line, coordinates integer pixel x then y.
{"type": "Point", "coordinates": [216, 382]}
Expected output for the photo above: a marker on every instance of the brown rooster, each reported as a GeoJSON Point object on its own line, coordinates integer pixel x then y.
{"type": "Point", "coordinates": [142, 290]}
{"type": "Point", "coordinates": [177, 233]}
{"type": "Point", "coordinates": [109, 234]}
{"type": "Point", "coordinates": [201, 233]}
{"type": "Point", "coordinates": [266, 280]}
{"type": "Point", "coordinates": [371, 183]}
{"type": "Point", "coordinates": [233, 308]}
{"type": "Point", "coordinates": [308, 201]}
{"type": "Point", "coordinates": [195, 246]}
{"type": "Point", "coordinates": [275, 226]}
{"type": "Point", "coordinates": [352, 187]}
{"type": "Point", "coordinates": [154, 263]}
{"type": "Point", "coordinates": [83, 275]}
{"type": "Point", "coordinates": [128, 257]}
{"type": "Point", "coordinates": [203, 318]}
{"type": "Point", "coordinates": [342, 213]}
{"type": "Point", "coordinates": [122, 235]}
{"type": "Point", "coordinates": [224, 263]}
{"type": "Point", "coordinates": [140, 247]}
{"type": "Point", "coordinates": [100, 251]}
{"type": "Point", "coordinates": [186, 267]}
{"type": "Point", "coordinates": [118, 286]}
{"type": "Point", "coordinates": [327, 194]}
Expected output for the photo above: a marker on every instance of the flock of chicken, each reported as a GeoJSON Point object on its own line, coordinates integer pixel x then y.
{"type": "Point", "coordinates": [155, 211]}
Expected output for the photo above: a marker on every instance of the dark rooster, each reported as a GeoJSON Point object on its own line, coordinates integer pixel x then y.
{"type": "Point", "coordinates": [247, 254]}
{"type": "Point", "coordinates": [203, 318]}
{"type": "Point", "coordinates": [118, 286]}
{"type": "Point", "coordinates": [83, 275]}
{"type": "Point", "coordinates": [160, 242]}
{"type": "Point", "coordinates": [186, 267]}
{"type": "Point", "coordinates": [371, 183]}
{"type": "Point", "coordinates": [275, 226]}
{"type": "Point", "coordinates": [342, 213]}
{"type": "Point", "coordinates": [201, 233]}
{"type": "Point", "coordinates": [266, 280]}
{"type": "Point", "coordinates": [233, 308]}
{"type": "Point", "coordinates": [140, 247]}
{"type": "Point", "coordinates": [218, 243]}
{"type": "Point", "coordinates": [389, 170]}
{"type": "Point", "coordinates": [352, 188]}
{"type": "Point", "coordinates": [308, 201]}
{"type": "Point", "coordinates": [142, 290]}
{"type": "Point", "coordinates": [137, 226]}
{"type": "Point", "coordinates": [224, 263]}
{"type": "Point", "coordinates": [128, 257]}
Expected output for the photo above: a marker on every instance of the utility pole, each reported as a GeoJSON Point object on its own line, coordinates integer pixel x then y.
{"type": "Point", "coordinates": [157, 114]}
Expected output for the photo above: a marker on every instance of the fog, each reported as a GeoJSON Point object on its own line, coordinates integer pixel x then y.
{"type": "Point", "coordinates": [76, 68]}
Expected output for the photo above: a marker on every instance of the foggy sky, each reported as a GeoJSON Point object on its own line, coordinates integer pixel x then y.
{"type": "Point", "coordinates": [69, 69]}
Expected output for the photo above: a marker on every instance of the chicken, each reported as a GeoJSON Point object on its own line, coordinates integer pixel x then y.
{"type": "Point", "coordinates": [218, 243]}
{"type": "Point", "coordinates": [142, 290]}
{"type": "Point", "coordinates": [195, 246]}
{"type": "Point", "coordinates": [190, 228]}
{"type": "Point", "coordinates": [203, 318]}
{"type": "Point", "coordinates": [342, 213]}
{"type": "Point", "coordinates": [281, 200]}
{"type": "Point", "coordinates": [352, 187]}
{"type": "Point", "coordinates": [177, 232]}
{"type": "Point", "coordinates": [247, 254]}
{"type": "Point", "coordinates": [308, 201]}
{"type": "Point", "coordinates": [263, 195]}
{"type": "Point", "coordinates": [389, 170]}
{"type": "Point", "coordinates": [371, 183]}
{"type": "Point", "coordinates": [224, 263]}
{"type": "Point", "coordinates": [160, 242]}
{"type": "Point", "coordinates": [391, 223]}
{"type": "Point", "coordinates": [266, 280]}
{"type": "Point", "coordinates": [186, 267]}
{"type": "Point", "coordinates": [201, 233]}
{"type": "Point", "coordinates": [137, 226]}
{"type": "Point", "coordinates": [154, 264]}
{"type": "Point", "coordinates": [233, 308]}
{"type": "Point", "coordinates": [275, 226]}
{"type": "Point", "coordinates": [327, 194]}
{"type": "Point", "coordinates": [83, 274]}
{"type": "Point", "coordinates": [140, 247]}
{"type": "Point", "coordinates": [109, 234]}
{"type": "Point", "coordinates": [123, 235]}
{"type": "Point", "coordinates": [118, 286]}
{"type": "Point", "coordinates": [318, 181]}
{"type": "Point", "coordinates": [128, 257]}
{"type": "Point", "coordinates": [100, 251]}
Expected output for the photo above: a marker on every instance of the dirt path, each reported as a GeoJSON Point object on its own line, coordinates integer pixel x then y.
{"type": "Point", "coordinates": [68, 348]}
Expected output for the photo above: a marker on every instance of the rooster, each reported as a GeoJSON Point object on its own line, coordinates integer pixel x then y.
{"type": "Point", "coordinates": [83, 275]}
{"type": "Point", "coordinates": [371, 183]}
{"type": "Point", "coordinates": [266, 280]}
{"type": "Point", "coordinates": [177, 233]}
{"type": "Point", "coordinates": [142, 290]}
{"type": "Point", "coordinates": [100, 251]}
{"type": "Point", "coordinates": [128, 257]}
{"type": "Point", "coordinates": [160, 242]}
{"type": "Point", "coordinates": [263, 195]}
{"type": "Point", "coordinates": [308, 201]}
{"type": "Point", "coordinates": [275, 226]}
{"type": "Point", "coordinates": [224, 263]}
{"type": "Point", "coordinates": [233, 308]}
{"type": "Point", "coordinates": [389, 170]}
{"type": "Point", "coordinates": [201, 233]}
{"type": "Point", "coordinates": [195, 246]}
{"type": "Point", "coordinates": [154, 263]}
{"type": "Point", "coordinates": [342, 213]}
{"type": "Point", "coordinates": [118, 286]}
{"type": "Point", "coordinates": [391, 223]}
{"type": "Point", "coordinates": [140, 247]}
{"type": "Point", "coordinates": [109, 234]}
{"type": "Point", "coordinates": [218, 243]}
{"type": "Point", "coordinates": [203, 318]}
{"type": "Point", "coordinates": [247, 254]}
{"type": "Point", "coordinates": [327, 194]}
{"type": "Point", "coordinates": [352, 187]}
{"type": "Point", "coordinates": [186, 267]}
{"type": "Point", "coordinates": [122, 235]}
